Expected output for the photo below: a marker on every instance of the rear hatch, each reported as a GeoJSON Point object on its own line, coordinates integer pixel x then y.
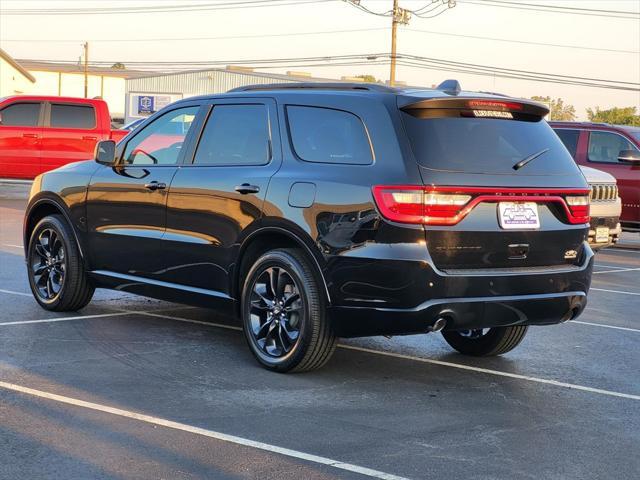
{"type": "Point", "coordinates": [500, 190]}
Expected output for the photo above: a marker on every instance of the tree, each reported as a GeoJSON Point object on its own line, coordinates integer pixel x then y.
{"type": "Point", "coordinates": [615, 115]}
{"type": "Point", "coordinates": [559, 111]}
{"type": "Point", "coordinates": [368, 78]}
{"type": "Point", "coordinates": [119, 66]}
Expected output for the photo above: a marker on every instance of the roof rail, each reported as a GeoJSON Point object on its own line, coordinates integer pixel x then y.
{"type": "Point", "coordinates": [316, 86]}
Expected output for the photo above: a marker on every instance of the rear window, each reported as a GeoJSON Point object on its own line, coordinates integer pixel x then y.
{"type": "Point", "coordinates": [72, 116]}
{"type": "Point", "coordinates": [570, 139]}
{"type": "Point", "coordinates": [20, 114]}
{"type": "Point", "coordinates": [486, 145]}
{"type": "Point", "coordinates": [325, 135]}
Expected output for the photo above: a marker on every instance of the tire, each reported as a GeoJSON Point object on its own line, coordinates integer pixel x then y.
{"type": "Point", "coordinates": [288, 331]}
{"type": "Point", "coordinates": [58, 279]}
{"type": "Point", "coordinates": [494, 341]}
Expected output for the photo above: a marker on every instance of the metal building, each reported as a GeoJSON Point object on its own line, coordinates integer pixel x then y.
{"type": "Point", "coordinates": [149, 93]}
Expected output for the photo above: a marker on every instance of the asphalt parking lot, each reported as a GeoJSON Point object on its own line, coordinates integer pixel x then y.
{"type": "Point", "coordinates": [137, 388]}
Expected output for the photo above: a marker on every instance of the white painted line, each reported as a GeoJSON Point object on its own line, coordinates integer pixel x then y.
{"type": "Point", "coordinates": [12, 246]}
{"type": "Point", "coordinates": [11, 292]}
{"type": "Point", "coordinates": [187, 320]}
{"type": "Point", "coordinates": [614, 291]}
{"type": "Point", "coordinates": [621, 250]}
{"type": "Point", "coordinates": [437, 362]}
{"type": "Point", "coordinates": [62, 319]}
{"type": "Point", "coordinates": [617, 270]}
{"type": "Point", "coordinates": [637, 330]}
{"type": "Point", "coordinates": [202, 432]}
{"type": "Point", "coordinates": [606, 266]}
{"type": "Point", "coordinates": [499, 373]}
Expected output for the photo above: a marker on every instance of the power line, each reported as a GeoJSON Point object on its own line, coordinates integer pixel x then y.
{"type": "Point", "coordinates": [226, 37]}
{"type": "Point", "coordinates": [158, 8]}
{"type": "Point", "coordinates": [408, 60]}
{"type": "Point", "coordinates": [552, 9]}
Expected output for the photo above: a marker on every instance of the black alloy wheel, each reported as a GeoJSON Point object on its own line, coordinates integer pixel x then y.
{"type": "Point", "coordinates": [55, 268]}
{"type": "Point", "coordinates": [283, 313]}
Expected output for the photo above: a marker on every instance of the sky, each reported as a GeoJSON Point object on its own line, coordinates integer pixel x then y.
{"type": "Point", "coordinates": [266, 31]}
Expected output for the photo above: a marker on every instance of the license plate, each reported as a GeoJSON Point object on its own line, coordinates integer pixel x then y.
{"type": "Point", "coordinates": [518, 215]}
{"type": "Point", "coordinates": [602, 234]}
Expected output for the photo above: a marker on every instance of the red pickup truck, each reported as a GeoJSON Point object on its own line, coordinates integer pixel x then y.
{"type": "Point", "coordinates": [40, 133]}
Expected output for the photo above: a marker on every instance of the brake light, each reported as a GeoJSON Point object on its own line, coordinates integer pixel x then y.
{"type": "Point", "coordinates": [579, 207]}
{"type": "Point", "coordinates": [434, 205]}
{"type": "Point", "coordinates": [493, 105]}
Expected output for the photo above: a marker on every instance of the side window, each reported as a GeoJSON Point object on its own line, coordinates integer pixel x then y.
{"type": "Point", "coordinates": [325, 135]}
{"type": "Point", "coordinates": [606, 147]}
{"type": "Point", "coordinates": [159, 142]}
{"type": "Point", "coordinates": [570, 139]}
{"type": "Point", "coordinates": [72, 116]}
{"type": "Point", "coordinates": [235, 135]}
{"type": "Point", "coordinates": [20, 114]}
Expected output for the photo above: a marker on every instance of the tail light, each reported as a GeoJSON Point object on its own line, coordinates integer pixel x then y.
{"type": "Point", "coordinates": [434, 205]}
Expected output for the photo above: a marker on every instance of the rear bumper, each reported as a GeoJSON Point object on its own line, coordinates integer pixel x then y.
{"type": "Point", "coordinates": [461, 314]}
{"type": "Point", "coordinates": [470, 300]}
{"type": "Point", "coordinates": [612, 223]}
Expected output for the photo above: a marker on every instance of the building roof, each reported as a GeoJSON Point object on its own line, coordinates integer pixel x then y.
{"type": "Point", "coordinates": [16, 65]}
{"type": "Point", "coordinates": [43, 66]}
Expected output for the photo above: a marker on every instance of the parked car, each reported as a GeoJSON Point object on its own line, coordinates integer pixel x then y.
{"type": "Point", "coordinates": [38, 134]}
{"type": "Point", "coordinates": [605, 208]}
{"type": "Point", "coordinates": [314, 211]}
{"type": "Point", "coordinates": [614, 149]}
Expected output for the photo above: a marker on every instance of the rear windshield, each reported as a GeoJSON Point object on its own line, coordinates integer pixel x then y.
{"type": "Point", "coordinates": [487, 145]}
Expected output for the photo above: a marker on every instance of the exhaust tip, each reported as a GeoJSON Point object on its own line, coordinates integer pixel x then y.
{"type": "Point", "coordinates": [438, 325]}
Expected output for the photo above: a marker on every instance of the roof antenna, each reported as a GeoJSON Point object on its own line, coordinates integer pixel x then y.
{"type": "Point", "coordinates": [450, 87]}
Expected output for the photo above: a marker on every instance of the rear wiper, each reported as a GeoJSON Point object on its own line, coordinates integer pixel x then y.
{"type": "Point", "coordinates": [531, 157]}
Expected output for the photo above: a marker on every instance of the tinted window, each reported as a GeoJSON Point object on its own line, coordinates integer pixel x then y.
{"type": "Point", "coordinates": [328, 136]}
{"type": "Point", "coordinates": [235, 135]}
{"type": "Point", "coordinates": [606, 147]}
{"type": "Point", "coordinates": [570, 139]}
{"type": "Point", "coordinates": [72, 116]}
{"type": "Point", "coordinates": [160, 142]}
{"type": "Point", "coordinates": [485, 145]}
{"type": "Point", "coordinates": [20, 114]}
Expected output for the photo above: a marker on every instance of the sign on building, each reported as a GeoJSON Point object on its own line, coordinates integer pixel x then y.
{"type": "Point", "coordinates": [141, 105]}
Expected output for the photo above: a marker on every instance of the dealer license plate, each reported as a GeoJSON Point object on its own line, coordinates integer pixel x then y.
{"type": "Point", "coordinates": [602, 234]}
{"type": "Point", "coordinates": [518, 215]}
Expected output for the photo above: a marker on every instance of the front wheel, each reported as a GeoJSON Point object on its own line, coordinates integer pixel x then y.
{"type": "Point", "coordinates": [283, 313]}
{"type": "Point", "coordinates": [56, 272]}
{"type": "Point", "coordinates": [486, 342]}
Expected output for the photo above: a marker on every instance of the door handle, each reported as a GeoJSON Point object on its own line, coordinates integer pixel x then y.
{"type": "Point", "coordinates": [155, 185]}
{"type": "Point", "coordinates": [89, 137]}
{"type": "Point", "coordinates": [246, 188]}
{"type": "Point", "coordinates": [30, 135]}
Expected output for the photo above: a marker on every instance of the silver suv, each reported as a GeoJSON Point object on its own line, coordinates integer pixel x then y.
{"type": "Point", "coordinates": [606, 207]}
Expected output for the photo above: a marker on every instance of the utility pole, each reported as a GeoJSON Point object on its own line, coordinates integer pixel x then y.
{"type": "Point", "coordinates": [399, 15]}
{"type": "Point", "coordinates": [86, 69]}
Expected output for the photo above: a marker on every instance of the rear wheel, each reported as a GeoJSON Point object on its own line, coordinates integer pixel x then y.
{"type": "Point", "coordinates": [486, 342]}
{"type": "Point", "coordinates": [283, 313]}
{"type": "Point", "coordinates": [56, 272]}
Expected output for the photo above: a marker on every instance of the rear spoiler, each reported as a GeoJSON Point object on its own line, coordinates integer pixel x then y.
{"type": "Point", "coordinates": [506, 108]}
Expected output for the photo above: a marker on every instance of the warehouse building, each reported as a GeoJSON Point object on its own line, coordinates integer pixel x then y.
{"type": "Point", "coordinates": [149, 93]}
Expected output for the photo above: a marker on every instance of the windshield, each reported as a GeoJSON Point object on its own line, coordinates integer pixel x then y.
{"type": "Point", "coordinates": [486, 145]}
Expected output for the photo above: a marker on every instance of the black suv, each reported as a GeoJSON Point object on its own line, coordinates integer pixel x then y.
{"type": "Point", "coordinates": [315, 211]}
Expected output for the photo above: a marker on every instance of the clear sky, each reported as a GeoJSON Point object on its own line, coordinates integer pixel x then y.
{"type": "Point", "coordinates": [58, 38]}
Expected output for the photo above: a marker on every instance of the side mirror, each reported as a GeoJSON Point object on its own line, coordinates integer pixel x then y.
{"type": "Point", "coordinates": [105, 153]}
{"type": "Point", "coordinates": [629, 156]}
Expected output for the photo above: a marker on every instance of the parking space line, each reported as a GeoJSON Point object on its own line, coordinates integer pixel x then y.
{"type": "Point", "coordinates": [11, 292]}
{"type": "Point", "coordinates": [437, 362]}
{"type": "Point", "coordinates": [622, 250]}
{"type": "Point", "coordinates": [614, 291]}
{"type": "Point", "coordinates": [617, 270]}
{"type": "Point", "coordinates": [202, 432]}
{"type": "Point", "coordinates": [13, 246]}
{"type": "Point", "coordinates": [637, 330]}
{"type": "Point", "coordinates": [499, 373]}
{"type": "Point", "coordinates": [63, 319]}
